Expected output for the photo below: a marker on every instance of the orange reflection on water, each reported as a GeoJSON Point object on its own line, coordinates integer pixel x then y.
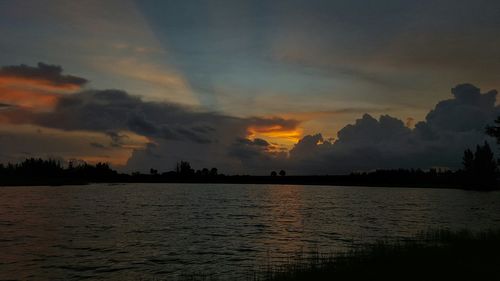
{"type": "Point", "coordinates": [285, 229]}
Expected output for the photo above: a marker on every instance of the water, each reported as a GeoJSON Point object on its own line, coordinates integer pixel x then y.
{"type": "Point", "coordinates": [159, 231]}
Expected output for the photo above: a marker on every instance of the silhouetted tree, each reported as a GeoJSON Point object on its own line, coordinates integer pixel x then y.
{"type": "Point", "coordinates": [480, 168]}
{"type": "Point", "coordinates": [213, 172]}
{"type": "Point", "coordinates": [184, 169]}
{"type": "Point", "coordinates": [468, 161]}
{"type": "Point", "coordinates": [205, 172]}
{"type": "Point", "coordinates": [153, 172]}
{"type": "Point", "coordinates": [273, 174]}
{"type": "Point", "coordinates": [282, 173]}
{"type": "Point", "coordinates": [494, 130]}
{"type": "Point", "coordinates": [484, 162]}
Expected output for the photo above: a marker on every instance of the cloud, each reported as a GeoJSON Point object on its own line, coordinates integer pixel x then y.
{"type": "Point", "coordinates": [117, 139]}
{"type": "Point", "coordinates": [98, 145]}
{"type": "Point", "coordinates": [161, 82]}
{"type": "Point", "coordinates": [111, 110]}
{"type": "Point", "coordinates": [246, 149]}
{"type": "Point", "coordinates": [45, 73]}
{"type": "Point", "coordinates": [158, 134]}
{"type": "Point", "coordinates": [439, 141]}
{"type": "Point", "coordinates": [469, 110]}
{"type": "Point", "coordinates": [36, 87]}
{"type": "Point", "coordinates": [31, 98]}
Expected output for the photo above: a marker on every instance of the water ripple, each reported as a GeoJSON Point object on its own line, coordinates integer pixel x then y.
{"type": "Point", "coordinates": [161, 231]}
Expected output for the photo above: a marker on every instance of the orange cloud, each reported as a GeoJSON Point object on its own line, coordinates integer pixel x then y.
{"type": "Point", "coordinates": [37, 94]}
{"type": "Point", "coordinates": [37, 88]}
{"type": "Point", "coordinates": [280, 135]}
{"type": "Point", "coordinates": [37, 83]}
{"type": "Point", "coordinates": [37, 100]}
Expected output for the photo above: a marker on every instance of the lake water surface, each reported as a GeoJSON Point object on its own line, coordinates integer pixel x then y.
{"type": "Point", "coordinates": [159, 231]}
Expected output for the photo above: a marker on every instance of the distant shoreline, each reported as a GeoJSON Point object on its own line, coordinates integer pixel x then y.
{"type": "Point", "coordinates": [34, 172]}
{"type": "Point", "coordinates": [338, 180]}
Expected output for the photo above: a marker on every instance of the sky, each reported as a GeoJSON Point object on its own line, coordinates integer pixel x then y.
{"type": "Point", "coordinates": [313, 87]}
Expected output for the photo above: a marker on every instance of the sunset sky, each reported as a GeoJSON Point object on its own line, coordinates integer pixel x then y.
{"type": "Point", "coordinates": [313, 87]}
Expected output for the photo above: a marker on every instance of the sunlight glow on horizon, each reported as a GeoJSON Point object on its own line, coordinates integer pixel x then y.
{"type": "Point", "coordinates": [276, 134]}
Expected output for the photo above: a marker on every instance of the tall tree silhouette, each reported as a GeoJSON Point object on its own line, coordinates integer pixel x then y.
{"type": "Point", "coordinates": [468, 161]}
{"type": "Point", "coordinates": [213, 172]}
{"type": "Point", "coordinates": [484, 162]}
{"type": "Point", "coordinates": [480, 168]}
{"type": "Point", "coordinates": [494, 130]}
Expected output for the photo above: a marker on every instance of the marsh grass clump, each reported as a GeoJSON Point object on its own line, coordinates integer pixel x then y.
{"type": "Point", "coordinates": [434, 255]}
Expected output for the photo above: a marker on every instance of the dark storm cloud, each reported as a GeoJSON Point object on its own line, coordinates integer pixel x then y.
{"type": "Point", "coordinates": [112, 110]}
{"type": "Point", "coordinates": [194, 135]}
{"type": "Point", "coordinates": [469, 110]}
{"type": "Point", "coordinates": [109, 111]}
{"type": "Point", "coordinates": [382, 130]}
{"type": "Point", "coordinates": [439, 141]}
{"type": "Point", "coordinates": [49, 73]}
{"type": "Point", "coordinates": [246, 149]}
{"type": "Point", "coordinates": [257, 155]}
{"type": "Point", "coordinates": [258, 142]}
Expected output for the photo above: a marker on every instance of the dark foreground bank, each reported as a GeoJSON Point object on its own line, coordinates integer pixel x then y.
{"type": "Point", "coordinates": [440, 255]}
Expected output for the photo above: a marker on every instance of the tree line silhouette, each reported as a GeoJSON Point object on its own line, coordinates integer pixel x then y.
{"type": "Point", "coordinates": [50, 171]}
{"type": "Point", "coordinates": [37, 171]}
{"type": "Point", "coordinates": [479, 172]}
